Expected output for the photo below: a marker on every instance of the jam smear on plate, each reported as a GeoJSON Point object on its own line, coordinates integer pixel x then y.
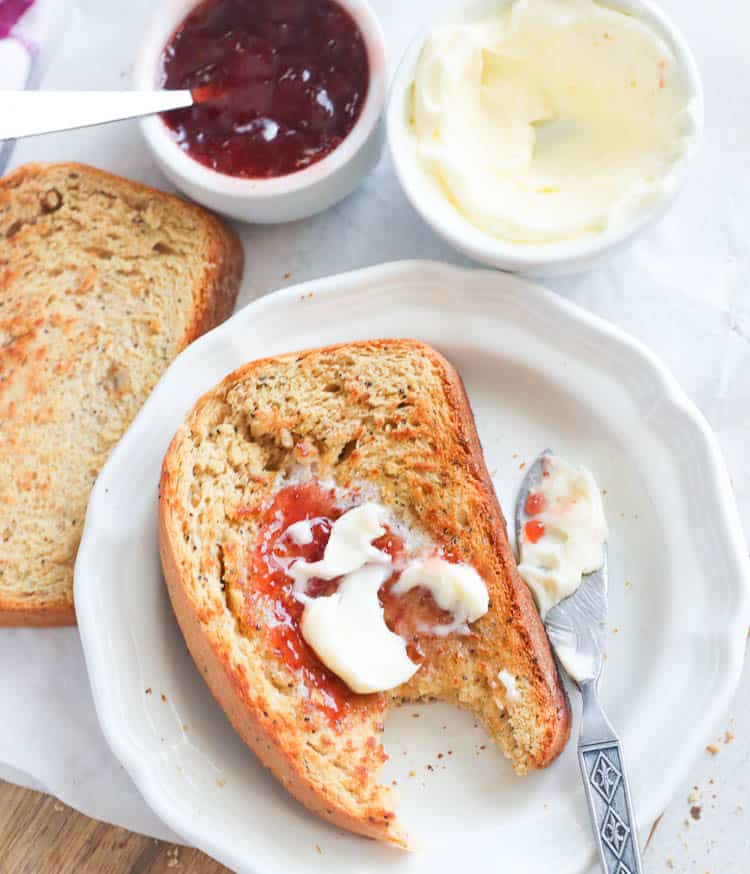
{"type": "Point", "coordinates": [289, 80]}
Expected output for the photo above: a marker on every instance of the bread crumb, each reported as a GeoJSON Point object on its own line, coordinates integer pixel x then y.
{"type": "Point", "coordinates": [57, 807]}
{"type": "Point", "coordinates": [163, 697]}
{"type": "Point", "coordinates": [713, 749]}
{"type": "Point", "coordinates": [185, 727]}
{"type": "Point", "coordinates": [654, 826]}
{"type": "Point", "coordinates": [173, 857]}
{"type": "Point", "coordinates": [695, 812]}
{"type": "Point", "coordinates": [149, 690]}
{"type": "Point", "coordinates": [287, 275]}
{"type": "Point", "coordinates": [412, 773]}
{"type": "Point", "coordinates": [728, 736]}
{"type": "Point", "coordinates": [522, 465]}
{"type": "Point", "coordinates": [670, 864]}
{"type": "Point", "coordinates": [693, 797]}
{"type": "Point", "coordinates": [318, 850]}
{"type": "Point", "coordinates": [221, 782]}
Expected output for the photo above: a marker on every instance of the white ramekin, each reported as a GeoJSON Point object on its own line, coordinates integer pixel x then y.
{"type": "Point", "coordinates": [538, 258]}
{"type": "Point", "coordinates": [283, 198]}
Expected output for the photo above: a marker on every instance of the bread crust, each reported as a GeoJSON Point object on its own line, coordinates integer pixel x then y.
{"type": "Point", "coordinates": [229, 686]}
{"type": "Point", "coordinates": [215, 301]}
{"type": "Point", "coordinates": [13, 614]}
{"type": "Point", "coordinates": [525, 614]}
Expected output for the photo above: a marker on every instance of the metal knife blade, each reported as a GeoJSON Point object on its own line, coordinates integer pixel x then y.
{"type": "Point", "coordinates": [576, 627]}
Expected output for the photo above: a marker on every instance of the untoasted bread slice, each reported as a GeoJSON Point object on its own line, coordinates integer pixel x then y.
{"type": "Point", "coordinates": [393, 414]}
{"type": "Point", "coordinates": [102, 282]}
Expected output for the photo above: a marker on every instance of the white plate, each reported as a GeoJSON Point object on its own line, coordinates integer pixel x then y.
{"type": "Point", "coordinates": [539, 372]}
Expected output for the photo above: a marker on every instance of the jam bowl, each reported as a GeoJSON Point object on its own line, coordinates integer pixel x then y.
{"type": "Point", "coordinates": [314, 77]}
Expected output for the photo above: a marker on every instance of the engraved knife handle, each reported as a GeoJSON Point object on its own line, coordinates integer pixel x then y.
{"type": "Point", "coordinates": [606, 787]}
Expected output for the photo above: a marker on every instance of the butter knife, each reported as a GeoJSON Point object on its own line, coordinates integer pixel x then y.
{"type": "Point", "coordinates": [576, 628]}
{"type": "Point", "coordinates": [29, 113]}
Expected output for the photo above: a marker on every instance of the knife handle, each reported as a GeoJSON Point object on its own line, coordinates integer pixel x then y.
{"type": "Point", "coordinates": [606, 787]}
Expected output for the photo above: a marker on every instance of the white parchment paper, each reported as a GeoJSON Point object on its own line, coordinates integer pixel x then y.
{"type": "Point", "coordinates": [684, 289]}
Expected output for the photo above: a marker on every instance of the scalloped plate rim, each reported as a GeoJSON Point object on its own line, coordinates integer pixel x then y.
{"type": "Point", "coordinates": [126, 747]}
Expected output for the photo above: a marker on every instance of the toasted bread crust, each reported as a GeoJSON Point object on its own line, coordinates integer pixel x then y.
{"type": "Point", "coordinates": [525, 615]}
{"type": "Point", "coordinates": [13, 614]}
{"type": "Point", "coordinates": [230, 685]}
{"type": "Point", "coordinates": [213, 303]}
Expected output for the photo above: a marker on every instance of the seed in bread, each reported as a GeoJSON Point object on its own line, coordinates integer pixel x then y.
{"type": "Point", "coordinates": [102, 282]}
{"type": "Point", "coordinates": [392, 415]}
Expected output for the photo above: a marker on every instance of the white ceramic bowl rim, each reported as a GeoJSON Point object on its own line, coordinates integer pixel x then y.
{"type": "Point", "coordinates": [457, 230]}
{"type": "Point", "coordinates": [167, 18]}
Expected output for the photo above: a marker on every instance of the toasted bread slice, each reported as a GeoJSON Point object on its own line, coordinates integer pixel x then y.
{"type": "Point", "coordinates": [391, 414]}
{"type": "Point", "coordinates": [102, 282]}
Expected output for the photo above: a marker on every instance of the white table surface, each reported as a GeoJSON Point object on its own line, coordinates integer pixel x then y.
{"type": "Point", "coordinates": [684, 289]}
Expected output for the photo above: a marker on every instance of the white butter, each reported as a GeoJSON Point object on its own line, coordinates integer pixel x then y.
{"type": "Point", "coordinates": [511, 686]}
{"type": "Point", "coordinates": [551, 119]}
{"type": "Point", "coordinates": [580, 667]}
{"type": "Point", "coordinates": [301, 532]}
{"type": "Point", "coordinates": [347, 629]}
{"type": "Point", "coordinates": [575, 532]}
{"type": "Point", "coordinates": [457, 588]}
{"type": "Point", "coordinates": [349, 546]}
{"type": "Point", "coordinates": [348, 632]}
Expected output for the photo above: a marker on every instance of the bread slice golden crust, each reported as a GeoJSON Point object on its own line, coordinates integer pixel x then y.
{"type": "Point", "coordinates": [387, 413]}
{"type": "Point", "coordinates": [102, 282]}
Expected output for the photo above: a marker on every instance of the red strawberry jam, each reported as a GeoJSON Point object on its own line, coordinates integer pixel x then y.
{"type": "Point", "coordinates": [288, 77]}
{"type": "Point", "coordinates": [272, 605]}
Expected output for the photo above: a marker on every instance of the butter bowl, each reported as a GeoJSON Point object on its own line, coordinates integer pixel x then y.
{"type": "Point", "coordinates": [430, 186]}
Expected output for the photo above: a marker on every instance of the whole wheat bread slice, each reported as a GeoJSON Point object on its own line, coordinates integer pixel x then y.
{"type": "Point", "coordinates": [392, 413]}
{"type": "Point", "coordinates": [102, 282]}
